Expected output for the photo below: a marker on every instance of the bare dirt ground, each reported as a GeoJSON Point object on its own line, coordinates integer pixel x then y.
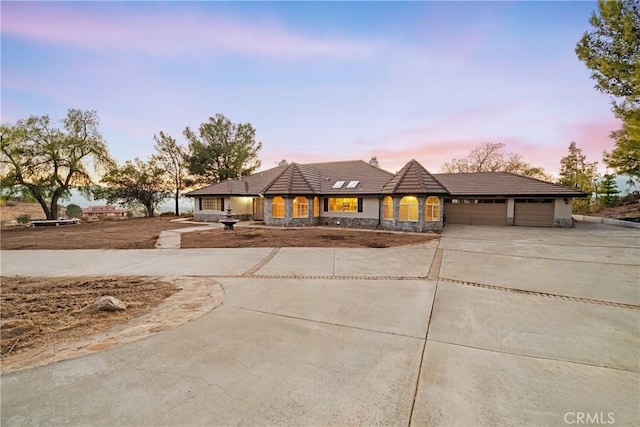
{"type": "Point", "coordinates": [134, 233]}
{"type": "Point", "coordinates": [315, 237]}
{"type": "Point", "coordinates": [40, 312]}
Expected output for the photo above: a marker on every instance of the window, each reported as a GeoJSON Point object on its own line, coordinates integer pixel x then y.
{"type": "Point", "coordinates": [345, 204]}
{"type": "Point", "coordinates": [316, 207]}
{"type": "Point", "coordinates": [300, 207]}
{"type": "Point", "coordinates": [211, 204]}
{"type": "Point", "coordinates": [338, 184]}
{"type": "Point", "coordinates": [387, 208]}
{"type": "Point", "coordinates": [432, 209]}
{"type": "Point", "coordinates": [408, 208]}
{"type": "Point", "coordinates": [353, 184]}
{"type": "Point", "coordinates": [277, 207]}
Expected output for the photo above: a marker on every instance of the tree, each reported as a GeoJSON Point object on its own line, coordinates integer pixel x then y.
{"type": "Point", "coordinates": [173, 158]}
{"type": "Point", "coordinates": [135, 183]}
{"type": "Point", "coordinates": [611, 50]}
{"type": "Point", "coordinates": [576, 172]}
{"type": "Point", "coordinates": [46, 162]}
{"type": "Point", "coordinates": [222, 150]}
{"type": "Point", "coordinates": [608, 190]}
{"type": "Point", "coordinates": [489, 157]}
{"type": "Point", "coordinates": [74, 211]}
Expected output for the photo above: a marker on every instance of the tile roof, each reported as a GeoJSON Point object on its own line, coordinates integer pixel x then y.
{"type": "Point", "coordinates": [295, 179]}
{"type": "Point", "coordinates": [370, 178]}
{"type": "Point", "coordinates": [411, 179]}
{"type": "Point", "coordinates": [252, 185]}
{"type": "Point", "coordinates": [502, 184]}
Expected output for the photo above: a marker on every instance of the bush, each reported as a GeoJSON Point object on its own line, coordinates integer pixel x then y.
{"type": "Point", "coordinates": [23, 219]}
{"type": "Point", "coordinates": [74, 211]}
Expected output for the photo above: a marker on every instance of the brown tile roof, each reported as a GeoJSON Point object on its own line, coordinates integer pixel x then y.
{"type": "Point", "coordinates": [413, 178]}
{"type": "Point", "coordinates": [296, 179]}
{"type": "Point", "coordinates": [252, 185]}
{"type": "Point", "coordinates": [370, 178]}
{"type": "Point", "coordinates": [502, 184]}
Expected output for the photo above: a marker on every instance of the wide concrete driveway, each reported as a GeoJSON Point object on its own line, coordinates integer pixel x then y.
{"type": "Point", "coordinates": [490, 326]}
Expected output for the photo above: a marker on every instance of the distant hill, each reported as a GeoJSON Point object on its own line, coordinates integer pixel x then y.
{"type": "Point", "coordinates": [11, 210]}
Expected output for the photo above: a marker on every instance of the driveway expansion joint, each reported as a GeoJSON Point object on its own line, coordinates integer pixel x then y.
{"type": "Point", "coordinates": [544, 294]}
{"type": "Point", "coordinates": [323, 322]}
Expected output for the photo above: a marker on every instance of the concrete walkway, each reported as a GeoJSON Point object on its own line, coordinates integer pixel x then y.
{"type": "Point", "coordinates": [493, 326]}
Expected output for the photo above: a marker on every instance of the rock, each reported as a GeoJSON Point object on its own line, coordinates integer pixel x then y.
{"type": "Point", "coordinates": [109, 303]}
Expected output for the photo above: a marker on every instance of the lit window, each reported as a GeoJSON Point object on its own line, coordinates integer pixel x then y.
{"type": "Point", "coordinates": [277, 207]}
{"type": "Point", "coordinates": [408, 208]}
{"type": "Point", "coordinates": [432, 209]}
{"type": "Point", "coordinates": [212, 204]}
{"type": "Point", "coordinates": [387, 208]}
{"type": "Point", "coordinates": [316, 207]}
{"type": "Point", "coordinates": [343, 204]}
{"type": "Point", "coordinates": [300, 207]}
{"type": "Point", "coordinates": [338, 184]}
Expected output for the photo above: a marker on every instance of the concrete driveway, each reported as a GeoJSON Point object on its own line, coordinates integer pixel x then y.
{"type": "Point", "coordinates": [490, 326]}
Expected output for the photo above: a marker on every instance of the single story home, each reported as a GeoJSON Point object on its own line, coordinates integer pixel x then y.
{"type": "Point", "coordinates": [360, 194]}
{"type": "Point", "coordinates": [94, 212]}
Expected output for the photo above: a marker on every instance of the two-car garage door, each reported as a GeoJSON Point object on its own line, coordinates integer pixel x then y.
{"type": "Point", "coordinates": [527, 212]}
{"type": "Point", "coordinates": [476, 211]}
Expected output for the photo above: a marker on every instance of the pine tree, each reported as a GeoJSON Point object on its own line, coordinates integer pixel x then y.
{"type": "Point", "coordinates": [576, 172]}
{"type": "Point", "coordinates": [608, 190]}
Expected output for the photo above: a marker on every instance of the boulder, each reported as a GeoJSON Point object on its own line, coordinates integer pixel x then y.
{"type": "Point", "coordinates": [109, 303]}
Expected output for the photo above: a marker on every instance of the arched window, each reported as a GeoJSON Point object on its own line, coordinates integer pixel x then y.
{"type": "Point", "coordinates": [277, 207]}
{"type": "Point", "coordinates": [316, 207]}
{"type": "Point", "coordinates": [387, 208]}
{"type": "Point", "coordinates": [432, 209]}
{"type": "Point", "coordinates": [408, 208]}
{"type": "Point", "coordinates": [300, 207]}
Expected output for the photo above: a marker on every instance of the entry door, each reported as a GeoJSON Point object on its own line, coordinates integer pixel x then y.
{"type": "Point", "coordinates": [258, 209]}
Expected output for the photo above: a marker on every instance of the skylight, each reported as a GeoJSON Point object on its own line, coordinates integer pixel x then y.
{"type": "Point", "coordinates": [338, 184]}
{"type": "Point", "coordinates": [353, 184]}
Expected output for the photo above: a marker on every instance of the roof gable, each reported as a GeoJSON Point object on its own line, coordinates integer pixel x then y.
{"type": "Point", "coordinates": [413, 178]}
{"type": "Point", "coordinates": [295, 179]}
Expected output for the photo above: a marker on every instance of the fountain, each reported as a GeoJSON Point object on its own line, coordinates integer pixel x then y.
{"type": "Point", "coordinates": [229, 221]}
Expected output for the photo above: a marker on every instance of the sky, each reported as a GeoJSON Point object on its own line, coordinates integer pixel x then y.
{"type": "Point", "coordinates": [319, 81]}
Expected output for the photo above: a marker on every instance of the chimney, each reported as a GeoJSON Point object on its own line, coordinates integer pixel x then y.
{"type": "Point", "coordinates": [374, 162]}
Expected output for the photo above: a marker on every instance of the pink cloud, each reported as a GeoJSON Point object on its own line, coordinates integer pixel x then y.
{"type": "Point", "coordinates": [175, 33]}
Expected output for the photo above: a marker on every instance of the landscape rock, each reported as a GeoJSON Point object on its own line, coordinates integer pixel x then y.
{"type": "Point", "coordinates": [109, 303]}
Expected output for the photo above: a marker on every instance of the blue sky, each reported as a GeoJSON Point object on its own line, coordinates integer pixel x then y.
{"type": "Point", "coordinates": [319, 81]}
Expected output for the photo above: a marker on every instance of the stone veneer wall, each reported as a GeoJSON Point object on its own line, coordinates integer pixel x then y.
{"type": "Point", "coordinates": [211, 216]}
{"type": "Point", "coordinates": [563, 222]}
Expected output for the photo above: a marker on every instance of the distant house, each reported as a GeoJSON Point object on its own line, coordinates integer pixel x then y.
{"type": "Point", "coordinates": [360, 194]}
{"type": "Point", "coordinates": [95, 212]}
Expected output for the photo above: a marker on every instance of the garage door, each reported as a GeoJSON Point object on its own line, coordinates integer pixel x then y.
{"type": "Point", "coordinates": [475, 212]}
{"type": "Point", "coordinates": [533, 212]}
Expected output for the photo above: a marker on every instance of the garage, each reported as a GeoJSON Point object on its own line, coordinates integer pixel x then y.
{"type": "Point", "coordinates": [533, 212]}
{"type": "Point", "coordinates": [476, 211]}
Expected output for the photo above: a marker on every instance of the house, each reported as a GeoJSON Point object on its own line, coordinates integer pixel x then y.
{"type": "Point", "coordinates": [95, 212]}
{"type": "Point", "coordinates": [360, 194]}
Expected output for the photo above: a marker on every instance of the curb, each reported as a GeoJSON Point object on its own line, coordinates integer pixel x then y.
{"type": "Point", "coordinates": [606, 221]}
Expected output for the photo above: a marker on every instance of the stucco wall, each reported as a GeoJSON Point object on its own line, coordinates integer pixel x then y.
{"type": "Point", "coordinates": [562, 213]}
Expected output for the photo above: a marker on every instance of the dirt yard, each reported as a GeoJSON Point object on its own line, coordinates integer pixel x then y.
{"type": "Point", "coordinates": [316, 237]}
{"type": "Point", "coordinates": [39, 312]}
{"type": "Point", "coordinates": [135, 233]}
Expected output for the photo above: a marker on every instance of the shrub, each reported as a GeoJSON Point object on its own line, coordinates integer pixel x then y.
{"type": "Point", "coordinates": [74, 211]}
{"type": "Point", "coordinates": [23, 219]}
